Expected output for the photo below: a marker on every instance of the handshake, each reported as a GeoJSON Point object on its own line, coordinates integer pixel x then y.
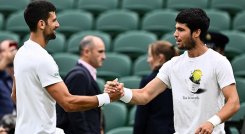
{"type": "Point", "coordinates": [113, 91]}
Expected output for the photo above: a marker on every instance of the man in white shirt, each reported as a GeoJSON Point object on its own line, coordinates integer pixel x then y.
{"type": "Point", "coordinates": [37, 83]}
{"type": "Point", "coordinates": [200, 80]}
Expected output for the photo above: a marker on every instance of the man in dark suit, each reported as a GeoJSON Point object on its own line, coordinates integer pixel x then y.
{"type": "Point", "coordinates": [217, 41]}
{"type": "Point", "coordinates": [81, 80]}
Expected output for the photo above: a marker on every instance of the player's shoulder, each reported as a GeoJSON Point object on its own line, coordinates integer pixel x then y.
{"type": "Point", "coordinates": [215, 55]}
{"type": "Point", "coordinates": [179, 57]}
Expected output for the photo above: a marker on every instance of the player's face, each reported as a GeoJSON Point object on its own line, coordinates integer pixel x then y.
{"type": "Point", "coordinates": [51, 26]}
{"type": "Point", "coordinates": [183, 37]}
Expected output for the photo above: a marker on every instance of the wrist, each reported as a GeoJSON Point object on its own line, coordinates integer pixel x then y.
{"type": "Point", "coordinates": [215, 120]}
{"type": "Point", "coordinates": [103, 99]}
{"type": "Point", "coordinates": [128, 95]}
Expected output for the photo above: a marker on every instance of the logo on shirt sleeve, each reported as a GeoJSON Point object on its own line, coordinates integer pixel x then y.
{"type": "Point", "coordinates": [56, 74]}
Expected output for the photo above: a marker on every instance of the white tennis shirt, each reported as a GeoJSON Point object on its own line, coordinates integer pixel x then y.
{"type": "Point", "coordinates": [34, 70]}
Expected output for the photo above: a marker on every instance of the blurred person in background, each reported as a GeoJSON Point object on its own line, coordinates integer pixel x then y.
{"type": "Point", "coordinates": [8, 49]}
{"type": "Point", "coordinates": [8, 123]}
{"type": "Point", "coordinates": [81, 80]}
{"type": "Point", "coordinates": [156, 117]}
{"type": "Point", "coordinates": [217, 41]}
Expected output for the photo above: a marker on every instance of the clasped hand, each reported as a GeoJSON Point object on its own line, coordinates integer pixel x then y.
{"type": "Point", "coordinates": [114, 89]}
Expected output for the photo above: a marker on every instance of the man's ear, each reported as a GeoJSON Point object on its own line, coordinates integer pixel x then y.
{"type": "Point", "coordinates": [86, 51]}
{"type": "Point", "coordinates": [41, 24]}
{"type": "Point", "coordinates": [196, 33]}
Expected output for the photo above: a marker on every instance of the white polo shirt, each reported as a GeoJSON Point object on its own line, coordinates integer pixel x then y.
{"type": "Point", "coordinates": [34, 70]}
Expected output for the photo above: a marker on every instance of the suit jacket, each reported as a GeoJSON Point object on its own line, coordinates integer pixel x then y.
{"type": "Point", "coordinates": [156, 117]}
{"type": "Point", "coordinates": [80, 82]}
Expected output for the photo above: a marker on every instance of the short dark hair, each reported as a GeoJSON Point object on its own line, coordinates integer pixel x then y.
{"type": "Point", "coordinates": [194, 18]}
{"type": "Point", "coordinates": [37, 10]}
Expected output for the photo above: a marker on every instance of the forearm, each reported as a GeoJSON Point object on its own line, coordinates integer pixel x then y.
{"type": "Point", "coordinates": [139, 97]}
{"type": "Point", "coordinates": [146, 94]}
{"type": "Point", "coordinates": [232, 104]}
{"type": "Point", "coordinates": [229, 109]}
{"type": "Point", "coordinates": [69, 102]}
{"type": "Point", "coordinates": [150, 91]}
{"type": "Point", "coordinates": [80, 103]}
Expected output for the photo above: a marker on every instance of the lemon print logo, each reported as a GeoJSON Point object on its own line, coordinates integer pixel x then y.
{"type": "Point", "coordinates": [196, 76]}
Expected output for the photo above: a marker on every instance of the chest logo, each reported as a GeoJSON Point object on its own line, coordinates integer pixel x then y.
{"type": "Point", "coordinates": [196, 76]}
{"type": "Point", "coordinates": [194, 80]}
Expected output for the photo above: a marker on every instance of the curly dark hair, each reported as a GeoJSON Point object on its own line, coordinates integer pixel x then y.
{"type": "Point", "coordinates": [37, 10]}
{"type": "Point", "coordinates": [194, 18]}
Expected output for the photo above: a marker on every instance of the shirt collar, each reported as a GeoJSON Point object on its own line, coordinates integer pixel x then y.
{"type": "Point", "coordinates": [90, 68]}
{"type": "Point", "coordinates": [35, 45]}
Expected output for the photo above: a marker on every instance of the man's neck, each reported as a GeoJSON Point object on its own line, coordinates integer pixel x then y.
{"type": "Point", "coordinates": [198, 50]}
{"type": "Point", "coordinates": [38, 38]}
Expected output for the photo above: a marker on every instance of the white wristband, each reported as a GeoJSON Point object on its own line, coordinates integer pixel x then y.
{"type": "Point", "coordinates": [103, 99]}
{"type": "Point", "coordinates": [215, 120]}
{"type": "Point", "coordinates": [127, 95]}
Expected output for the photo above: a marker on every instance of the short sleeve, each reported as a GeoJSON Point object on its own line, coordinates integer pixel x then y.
{"type": "Point", "coordinates": [48, 72]}
{"type": "Point", "coordinates": [225, 74]}
{"type": "Point", "coordinates": [164, 73]}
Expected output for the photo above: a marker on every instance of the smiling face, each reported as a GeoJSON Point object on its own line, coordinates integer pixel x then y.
{"type": "Point", "coordinates": [50, 26]}
{"type": "Point", "coordinates": [183, 36]}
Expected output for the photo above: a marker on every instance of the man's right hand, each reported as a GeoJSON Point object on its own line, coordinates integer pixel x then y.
{"type": "Point", "coordinates": [114, 89]}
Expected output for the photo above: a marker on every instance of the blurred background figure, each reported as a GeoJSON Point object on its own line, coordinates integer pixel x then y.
{"type": "Point", "coordinates": [156, 117]}
{"type": "Point", "coordinates": [8, 123]}
{"type": "Point", "coordinates": [8, 50]}
{"type": "Point", "coordinates": [81, 80]}
{"type": "Point", "coordinates": [216, 41]}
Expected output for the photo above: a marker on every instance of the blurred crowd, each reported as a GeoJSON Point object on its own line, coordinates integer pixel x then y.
{"type": "Point", "coordinates": [8, 49]}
